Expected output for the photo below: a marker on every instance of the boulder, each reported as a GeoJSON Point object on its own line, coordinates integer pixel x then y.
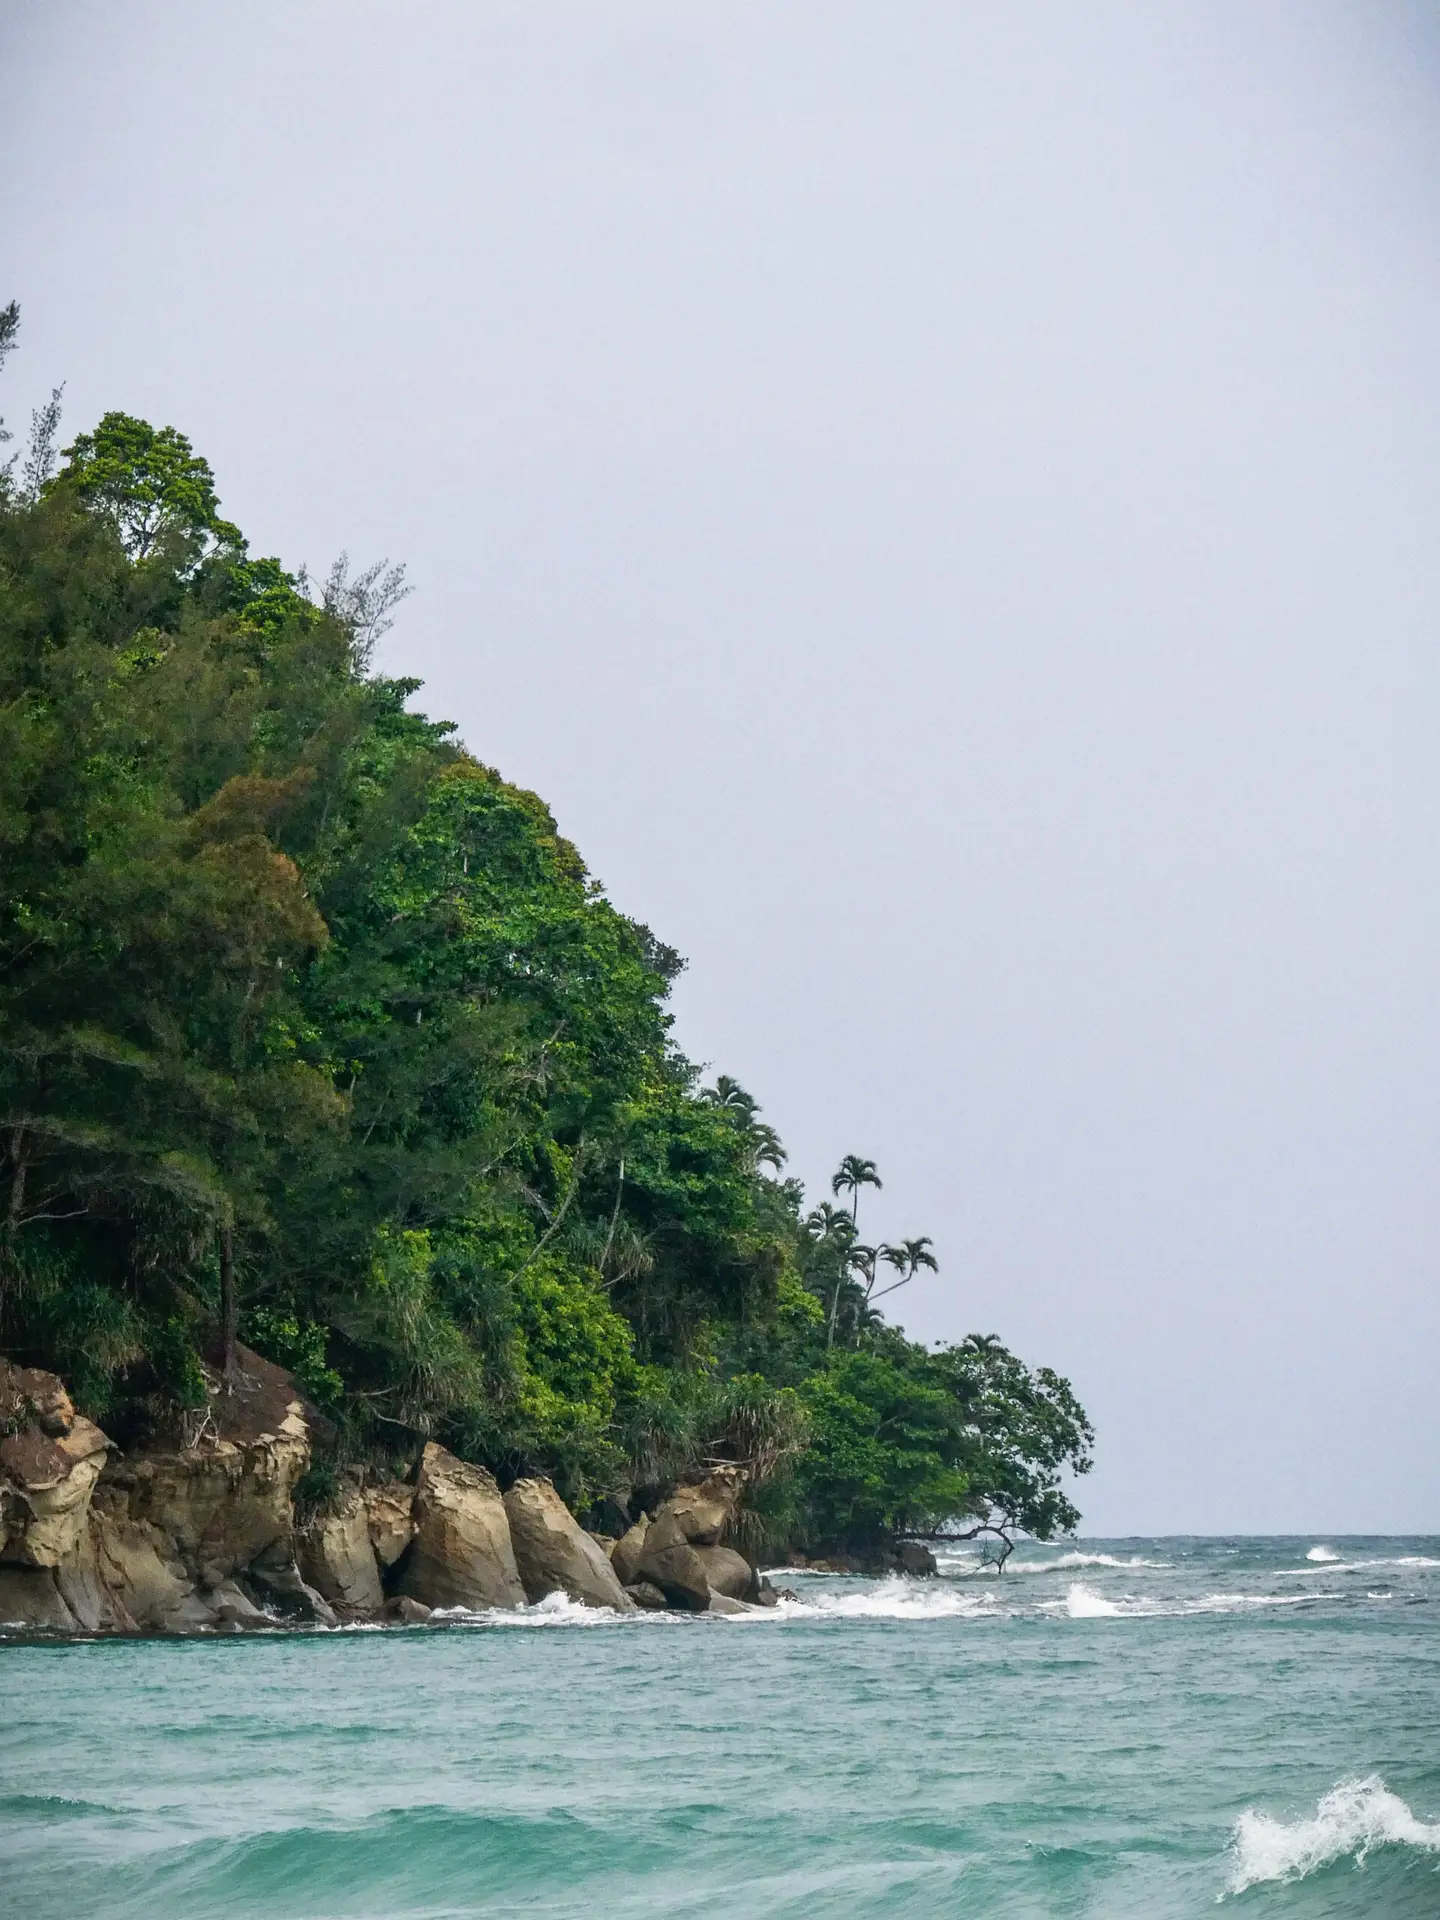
{"type": "Point", "coordinates": [552, 1551]}
{"type": "Point", "coordinates": [232, 1608]}
{"type": "Point", "coordinates": [704, 1509]}
{"type": "Point", "coordinates": [462, 1555]}
{"type": "Point", "coordinates": [50, 1460]}
{"type": "Point", "coordinates": [679, 1572]}
{"type": "Point", "coordinates": [390, 1520]}
{"type": "Point", "coordinates": [647, 1596]}
{"type": "Point", "coordinates": [335, 1557]}
{"type": "Point", "coordinates": [728, 1572]}
{"type": "Point", "coordinates": [406, 1612]}
{"type": "Point", "coordinates": [629, 1550]}
{"type": "Point", "coordinates": [914, 1557]}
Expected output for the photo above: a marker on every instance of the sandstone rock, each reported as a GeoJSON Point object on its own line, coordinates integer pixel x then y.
{"type": "Point", "coordinates": [914, 1557]}
{"type": "Point", "coordinates": [405, 1611]}
{"type": "Point", "coordinates": [647, 1596]}
{"type": "Point", "coordinates": [462, 1556]}
{"type": "Point", "coordinates": [335, 1557]}
{"type": "Point", "coordinates": [723, 1603]}
{"type": "Point", "coordinates": [50, 1459]}
{"type": "Point", "coordinates": [225, 1501]}
{"type": "Point", "coordinates": [552, 1550]}
{"type": "Point", "coordinates": [390, 1520]}
{"type": "Point", "coordinates": [143, 1580]}
{"type": "Point", "coordinates": [679, 1572]}
{"type": "Point", "coordinates": [728, 1572]}
{"type": "Point", "coordinates": [232, 1608]}
{"type": "Point", "coordinates": [703, 1510]}
{"type": "Point", "coordinates": [276, 1573]}
{"type": "Point", "coordinates": [628, 1551]}
{"type": "Point", "coordinates": [30, 1597]}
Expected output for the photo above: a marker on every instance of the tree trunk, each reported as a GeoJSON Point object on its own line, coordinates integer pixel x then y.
{"type": "Point", "coordinates": [229, 1307]}
{"type": "Point", "coordinates": [19, 1162]}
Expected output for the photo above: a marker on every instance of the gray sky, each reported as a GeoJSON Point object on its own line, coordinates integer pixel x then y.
{"type": "Point", "coordinates": [942, 501]}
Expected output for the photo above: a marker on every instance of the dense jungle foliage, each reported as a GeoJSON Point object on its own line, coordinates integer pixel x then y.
{"type": "Point", "coordinates": [316, 1035]}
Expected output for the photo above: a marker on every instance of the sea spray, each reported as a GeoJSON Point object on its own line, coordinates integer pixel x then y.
{"type": "Point", "coordinates": [1350, 1821]}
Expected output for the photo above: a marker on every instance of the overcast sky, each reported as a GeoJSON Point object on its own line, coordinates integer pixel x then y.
{"type": "Point", "coordinates": [941, 499]}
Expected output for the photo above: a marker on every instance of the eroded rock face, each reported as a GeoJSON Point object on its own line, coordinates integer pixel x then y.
{"type": "Point", "coordinates": [50, 1459]}
{"type": "Point", "coordinates": [157, 1541]}
{"type": "Point", "coordinates": [554, 1553]}
{"type": "Point", "coordinates": [462, 1555]}
{"type": "Point", "coordinates": [704, 1509]}
{"type": "Point", "coordinates": [225, 1501]}
{"type": "Point", "coordinates": [335, 1557]}
{"type": "Point", "coordinates": [388, 1515]}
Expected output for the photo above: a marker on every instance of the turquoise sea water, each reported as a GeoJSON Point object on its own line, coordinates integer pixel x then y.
{"type": "Point", "coordinates": [1128, 1728]}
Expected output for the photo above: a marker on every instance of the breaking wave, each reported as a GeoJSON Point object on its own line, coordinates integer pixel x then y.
{"type": "Point", "coordinates": [1082, 1604]}
{"type": "Point", "coordinates": [1074, 1561]}
{"type": "Point", "coordinates": [555, 1610]}
{"type": "Point", "coordinates": [894, 1598]}
{"type": "Point", "coordinates": [1349, 1821]}
{"type": "Point", "coordinates": [1322, 1553]}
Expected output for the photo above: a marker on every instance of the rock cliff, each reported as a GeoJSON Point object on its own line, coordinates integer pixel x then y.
{"type": "Point", "coordinates": [198, 1530]}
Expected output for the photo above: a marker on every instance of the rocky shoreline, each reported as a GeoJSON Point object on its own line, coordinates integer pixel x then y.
{"type": "Point", "coordinates": [202, 1535]}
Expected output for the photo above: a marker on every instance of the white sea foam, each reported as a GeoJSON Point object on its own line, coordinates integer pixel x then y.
{"type": "Point", "coordinates": [1066, 1562]}
{"type": "Point", "coordinates": [1322, 1553]}
{"type": "Point", "coordinates": [1082, 1604]}
{"type": "Point", "coordinates": [894, 1598]}
{"type": "Point", "coordinates": [1350, 1820]}
{"type": "Point", "coordinates": [555, 1610]}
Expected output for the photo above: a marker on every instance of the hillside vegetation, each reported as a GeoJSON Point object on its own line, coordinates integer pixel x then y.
{"type": "Point", "coordinates": [316, 1035]}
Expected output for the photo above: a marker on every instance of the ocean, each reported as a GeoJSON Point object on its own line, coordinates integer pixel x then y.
{"type": "Point", "coordinates": [1115, 1729]}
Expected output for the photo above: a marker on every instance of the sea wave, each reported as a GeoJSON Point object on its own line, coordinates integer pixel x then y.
{"type": "Point", "coordinates": [1081, 1604]}
{"type": "Point", "coordinates": [1332, 1563]}
{"type": "Point", "coordinates": [1322, 1553]}
{"type": "Point", "coordinates": [1349, 1821]}
{"type": "Point", "coordinates": [894, 1598]}
{"type": "Point", "coordinates": [555, 1610]}
{"type": "Point", "coordinates": [1068, 1562]}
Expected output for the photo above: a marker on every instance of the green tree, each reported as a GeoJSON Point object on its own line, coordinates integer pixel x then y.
{"type": "Point", "coordinates": [853, 1173]}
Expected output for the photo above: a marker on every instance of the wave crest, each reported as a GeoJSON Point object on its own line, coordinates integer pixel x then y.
{"type": "Point", "coordinates": [1351, 1819]}
{"type": "Point", "coordinates": [894, 1598]}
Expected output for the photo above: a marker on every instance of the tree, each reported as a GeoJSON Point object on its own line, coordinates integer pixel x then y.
{"type": "Point", "coordinates": [743, 1109]}
{"type": "Point", "coordinates": [151, 483]}
{"type": "Point", "coordinates": [852, 1174]}
{"type": "Point", "coordinates": [907, 1259]}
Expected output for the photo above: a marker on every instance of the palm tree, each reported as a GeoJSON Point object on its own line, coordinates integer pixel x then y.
{"type": "Point", "coordinates": [728, 1094]}
{"type": "Point", "coordinates": [742, 1108]}
{"type": "Point", "coordinates": [828, 1223]}
{"type": "Point", "coordinates": [852, 1174]}
{"type": "Point", "coordinates": [907, 1259]}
